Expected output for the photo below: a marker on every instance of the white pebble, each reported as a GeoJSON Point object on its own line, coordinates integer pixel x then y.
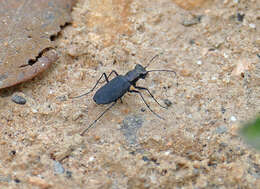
{"type": "Point", "coordinates": [34, 110]}
{"type": "Point", "coordinates": [91, 159]}
{"type": "Point", "coordinates": [213, 78]}
{"type": "Point", "coordinates": [233, 118]}
{"type": "Point", "coordinates": [252, 25]}
{"type": "Point", "coordinates": [58, 168]}
{"type": "Point", "coordinates": [51, 91]}
{"type": "Point", "coordinates": [199, 62]}
{"type": "Point", "coordinates": [225, 55]}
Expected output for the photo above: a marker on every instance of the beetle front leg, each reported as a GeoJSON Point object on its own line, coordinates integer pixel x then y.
{"type": "Point", "coordinates": [143, 88]}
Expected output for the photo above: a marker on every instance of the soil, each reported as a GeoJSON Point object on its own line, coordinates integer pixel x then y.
{"type": "Point", "coordinates": [214, 50]}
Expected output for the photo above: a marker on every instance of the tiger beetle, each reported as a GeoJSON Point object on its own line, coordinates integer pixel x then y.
{"type": "Point", "coordinates": [119, 86]}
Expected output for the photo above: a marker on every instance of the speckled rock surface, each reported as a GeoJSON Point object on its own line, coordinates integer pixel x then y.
{"type": "Point", "coordinates": [213, 50]}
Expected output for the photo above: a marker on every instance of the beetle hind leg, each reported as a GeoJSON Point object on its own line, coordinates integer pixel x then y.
{"type": "Point", "coordinates": [135, 91]}
{"type": "Point", "coordinates": [85, 130]}
{"type": "Point", "coordinates": [98, 81]}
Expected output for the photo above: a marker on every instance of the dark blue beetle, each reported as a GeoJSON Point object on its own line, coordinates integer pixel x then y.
{"type": "Point", "coordinates": [120, 85]}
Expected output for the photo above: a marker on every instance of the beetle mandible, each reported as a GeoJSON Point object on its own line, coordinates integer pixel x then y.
{"type": "Point", "coordinates": [119, 86]}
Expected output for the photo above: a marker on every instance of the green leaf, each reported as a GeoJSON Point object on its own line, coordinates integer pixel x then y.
{"type": "Point", "coordinates": [251, 133]}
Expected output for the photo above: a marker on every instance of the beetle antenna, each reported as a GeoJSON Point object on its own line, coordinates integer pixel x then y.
{"type": "Point", "coordinates": [162, 71]}
{"type": "Point", "coordinates": [151, 61]}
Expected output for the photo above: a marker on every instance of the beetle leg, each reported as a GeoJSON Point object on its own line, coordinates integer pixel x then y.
{"type": "Point", "coordinates": [143, 88]}
{"type": "Point", "coordinates": [98, 81]}
{"type": "Point", "coordinates": [107, 78]}
{"type": "Point", "coordinates": [85, 130]}
{"type": "Point", "coordinates": [135, 91]}
{"type": "Point", "coordinates": [113, 71]}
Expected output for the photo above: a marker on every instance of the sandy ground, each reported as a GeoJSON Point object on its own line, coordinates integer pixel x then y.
{"type": "Point", "coordinates": [214, 50]}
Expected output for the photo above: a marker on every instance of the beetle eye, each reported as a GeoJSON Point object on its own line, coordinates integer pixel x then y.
{"type": "Point", "coordinates": [143, 75]}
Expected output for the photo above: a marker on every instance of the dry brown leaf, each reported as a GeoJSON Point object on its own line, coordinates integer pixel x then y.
{"type": "Point", "coordinates": [27, 27]}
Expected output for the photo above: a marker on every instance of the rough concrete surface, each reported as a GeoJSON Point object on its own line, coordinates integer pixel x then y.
{"type": "Point", "coordinates": [214, 49]}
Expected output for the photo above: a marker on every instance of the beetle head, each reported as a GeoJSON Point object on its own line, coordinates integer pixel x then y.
{"type": "Point", "coordinates": [141, 71]}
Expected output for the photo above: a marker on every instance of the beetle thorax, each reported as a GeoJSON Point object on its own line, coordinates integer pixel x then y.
{"type": "Point", "coordinates": [139, 72]}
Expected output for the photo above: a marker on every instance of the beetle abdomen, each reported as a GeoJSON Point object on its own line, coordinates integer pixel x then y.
{"type": "Point", "coordinates": [112, 91]}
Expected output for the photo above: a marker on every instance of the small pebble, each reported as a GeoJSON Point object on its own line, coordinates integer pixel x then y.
{"type": "Point", "coordinates": [68, 174]}
{"type": "Point", "coordinates": [191, 22]}
{"type": "Point", "coordinates": [51, 91]}
{"type": "Point", "coordinates": [167, 102]}
{"type": "Point", "coordinates": [199, 62]}
{"type": "Point", "coordinates": [233, 118]}
{"type": "Point", "coordinates": [145, 158]}
{"type": "Point", "coordinates": [12, 153]}
{"type": "Point", "coordinates": [253, 26]}
{"type": "Point", "coordinates": [192, 42]}
{"type": "Point", "coordinates": [240, 17]}
{"type": "Point", "coordinates": [213, 78]}
{"type": "Point", "coordinates": [222, 129]}
{"type": "Point", "coordinates": [225, 55]}
{"type": "Point", "coordinates": [34, 110]}
{"type": "Point", "coordinates": [223, 110]}
{"type": "Point", "coordinates": [58, 168]}
{"type": "Point", "coordinates": [62, 98]}
{"type": "Point", "coordinates": [17, 180]}
{"type": "Point", "coordinates": [91, 159]}
{"type": "Point", "coordinates": [18, 99]}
